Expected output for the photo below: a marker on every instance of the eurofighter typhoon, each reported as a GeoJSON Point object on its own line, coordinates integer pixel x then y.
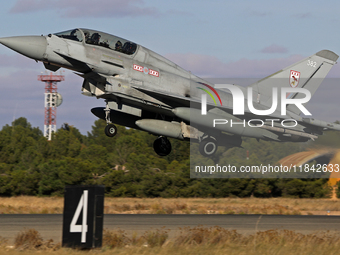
{"type": "Point", "coordinates": [145, 91]}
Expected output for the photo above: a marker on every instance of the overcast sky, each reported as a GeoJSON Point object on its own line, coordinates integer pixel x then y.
{"type": "Point", "coordinates": [212, 39]}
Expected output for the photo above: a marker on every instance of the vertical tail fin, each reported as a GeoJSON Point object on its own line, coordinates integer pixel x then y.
{"type": "Point", "coordinates": [307, 73]}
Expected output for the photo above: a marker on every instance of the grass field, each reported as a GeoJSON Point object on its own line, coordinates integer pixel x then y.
{"type": "Point", "coordinates": [289, 206]}
{"type": "Point", "coordinates": [189, 241]}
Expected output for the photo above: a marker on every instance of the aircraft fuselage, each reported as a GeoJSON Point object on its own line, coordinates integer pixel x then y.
{"type": "Point", "coordinates": [146, 91]}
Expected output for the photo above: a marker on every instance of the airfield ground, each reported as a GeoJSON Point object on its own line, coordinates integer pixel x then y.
{"type": "Point", "coordinates": [197, 240]}
{"type": "Point", "coordinates": [285, 206]}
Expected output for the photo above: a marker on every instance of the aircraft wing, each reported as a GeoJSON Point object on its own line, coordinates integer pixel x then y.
{"type": "Point", "coordinates": [181, 101]}
{"type": "Point", "coordinates": [169, 98]}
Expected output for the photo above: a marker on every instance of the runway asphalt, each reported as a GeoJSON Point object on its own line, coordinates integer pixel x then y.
{"type": "Point", "coordinates": [50, 225]}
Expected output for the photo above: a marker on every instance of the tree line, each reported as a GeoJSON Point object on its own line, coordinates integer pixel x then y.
{"type": "Point", "coordinates": [128, 167]}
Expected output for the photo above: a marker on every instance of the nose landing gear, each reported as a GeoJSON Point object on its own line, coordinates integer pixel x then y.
{"type": "Point", "coordinates": [110, 130]}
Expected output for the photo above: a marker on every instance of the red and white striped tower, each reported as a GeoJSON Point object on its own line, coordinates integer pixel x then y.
{"type": "Point", "coordinates": [52, 100]}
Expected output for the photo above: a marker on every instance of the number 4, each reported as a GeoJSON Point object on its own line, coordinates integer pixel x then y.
{"type": "Point", "coordinates": [80, 228]}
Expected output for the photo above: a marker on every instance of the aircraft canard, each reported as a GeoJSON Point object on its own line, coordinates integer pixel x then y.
{"type": "Point", "coordinates": [145, 91]}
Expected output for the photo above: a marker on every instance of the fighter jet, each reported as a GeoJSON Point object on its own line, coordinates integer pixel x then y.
{"type": "Point", "coordinates": [145, 91]}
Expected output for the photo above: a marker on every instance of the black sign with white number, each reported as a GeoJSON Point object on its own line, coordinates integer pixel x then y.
{"type": "Point", "coordinates": [83, 216]}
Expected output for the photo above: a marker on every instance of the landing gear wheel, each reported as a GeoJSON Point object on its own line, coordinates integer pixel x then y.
{"type": "Point", "coordinates": [110, 130]}
{"type": "Point", "coordinates": [208, 147]}
{"type": "Point", "coordinates": [162, 146]}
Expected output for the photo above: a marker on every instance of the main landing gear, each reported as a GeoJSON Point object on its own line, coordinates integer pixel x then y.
{"type": "Point", "coordinates": [162, 146]}
{"type": "Point", "coordinates": [208, 146]}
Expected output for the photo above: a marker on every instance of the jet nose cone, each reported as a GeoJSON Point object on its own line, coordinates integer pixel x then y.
{"type": "Point", "coordinates": [30, 46]}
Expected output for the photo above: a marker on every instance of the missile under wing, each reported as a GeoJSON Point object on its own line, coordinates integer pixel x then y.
{"type": "Point", "coordinates": [145, 91]}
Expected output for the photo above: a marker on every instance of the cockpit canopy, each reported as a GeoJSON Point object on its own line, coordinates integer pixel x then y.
{"type": "Point", "coordinates": [99, 38]}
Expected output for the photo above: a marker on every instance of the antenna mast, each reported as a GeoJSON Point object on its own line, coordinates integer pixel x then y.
{"type": "Point", "coordinates": [52, 100]}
